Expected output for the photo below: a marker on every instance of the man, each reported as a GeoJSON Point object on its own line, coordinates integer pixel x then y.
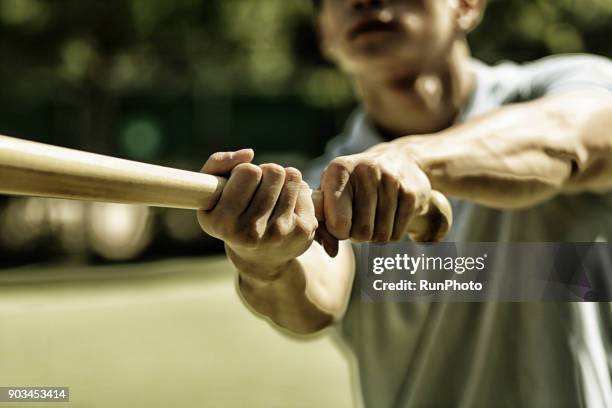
{"type": "Point", "coordinates": [526, 153]}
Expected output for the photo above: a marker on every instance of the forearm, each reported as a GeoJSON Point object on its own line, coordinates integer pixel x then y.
{"type": "Point", "coordinates": [522, 154]}
{"type": "Point", "coordinates": [303, 295]}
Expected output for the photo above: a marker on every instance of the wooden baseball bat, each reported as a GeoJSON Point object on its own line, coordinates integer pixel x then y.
{"type": "Point", "coordinates": [37, 169]}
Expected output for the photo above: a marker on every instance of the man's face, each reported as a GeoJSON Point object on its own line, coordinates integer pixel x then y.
{"type": "Point", "coordinates": [366, 35]}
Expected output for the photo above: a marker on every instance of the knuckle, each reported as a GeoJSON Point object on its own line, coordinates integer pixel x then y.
{"type": "Point", "coordinates": [306, 225]}
{"type": "Point", "coordinates": [248, 169]}
{"type": "Point", "coordinates": [390, 181]}
{"type": "Point", "coordinates": [386, 172]}
{"type": "Point", "coordinates": [293, 175]}
{"type": "Point", "coordinates": [407, 197]}
{"type": "Point", "coordinates": [341, 161]}
{"type": "Point", "coordinates": [367, 166]}
{"type": "Point", "coordinates": [423, 196]}
{"type": "Point", "coordinates": [381, 236]}
{"type": "Point", "coordinates": [312, 223]}
{"type": "Point", "coordinates": [279, 229]}
{"type": "Point", "coordinates": [337, 173]}
{"type": "Point", "coordinates": [272, 169]}
{"type": "Point", "coordinates": [338, 165]}
{"type": "Point", "coordinates": [362, 233]}
{"type": "Point", "coordinates": [339, 222]}
{"type": "Point", "coordinates": [415, 199]}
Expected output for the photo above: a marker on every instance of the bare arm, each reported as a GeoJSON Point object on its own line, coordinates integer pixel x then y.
{"type": "Point", "coordinates": [522, 154]}
{"type": "Point", "coordinates": [306, 294]}
{"type": "Point", "coordinates": [266, 218]}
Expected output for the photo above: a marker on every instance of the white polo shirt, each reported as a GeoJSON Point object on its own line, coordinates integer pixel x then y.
{"type": "Point", "coordinates": [491, 354]}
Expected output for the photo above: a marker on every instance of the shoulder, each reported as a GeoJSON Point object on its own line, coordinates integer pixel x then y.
{"type": "Point", "coordinates": [569, 62]}
{"type": "Point", "coordinates": [552, 64]}
{"type": "Point", "coordinates": [568, 72]}
{"type": "Point", "coordinates": [509, 82]}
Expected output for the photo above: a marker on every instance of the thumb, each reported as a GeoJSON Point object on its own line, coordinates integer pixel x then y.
{"type": "Point", "coordinates": [221, 163]}
{"type": "Point", "coordinates": [327, 240]}
{"type": "Point", "coordinates": [322, 236]}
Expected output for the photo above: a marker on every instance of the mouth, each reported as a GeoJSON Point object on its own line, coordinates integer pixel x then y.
{"type": "Point", "coordinates": [371, 26]}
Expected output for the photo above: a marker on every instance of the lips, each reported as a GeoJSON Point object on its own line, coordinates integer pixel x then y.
{"type": "Point", "coordinates": [371, 25]}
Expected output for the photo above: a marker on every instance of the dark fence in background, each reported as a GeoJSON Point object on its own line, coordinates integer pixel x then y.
{"type": "Point", "coordinates": [179, 130]}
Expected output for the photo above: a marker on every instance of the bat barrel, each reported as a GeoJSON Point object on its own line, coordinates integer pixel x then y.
{"type": "Point", "coordinates": [36, 169]}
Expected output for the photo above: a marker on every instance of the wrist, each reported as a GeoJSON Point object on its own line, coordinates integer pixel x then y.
{"type": "Point", "coordinates": [421, 149]}
{"type": "Point", "coordinates": [431, 152]}
{"type": "Point", "coordinates": [254, 267]}
{"type": "Point", "coordinates": [417, 148]}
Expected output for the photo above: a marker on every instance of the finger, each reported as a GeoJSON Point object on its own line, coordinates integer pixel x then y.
{"type": "Point", "coordinates": [235, 197]}
{"type": "Point", "coordinates": [223, 162]}
{"type": "Point", "coordinates": [266, 196]}
{"type": "Point", "coordinates": [285, 206]}
{"type": "Point", "coordinates": [239, 189]}
{"type": "Point", "coordinates": [366, 180]}
{"type": "Point", "coordinates": [403, 213]}
{"type": "Point", "coordinates": [421, 202]}
{"type": "Point", "coordinates": [329, 242]}
{"type": "Point", "coordinates": [317, 201]}
{"type": "Point", "coordinates": [337, 199]}
{"type": "Point", "coordinates": [385, 209]}
{"type": "Point", "coordinates": [304, 207]}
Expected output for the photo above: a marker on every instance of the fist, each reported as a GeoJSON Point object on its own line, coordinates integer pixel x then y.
{"type": "Point", "coordinates": [265, 214]}
{"type": "Point", "coordinates": [373, 196]}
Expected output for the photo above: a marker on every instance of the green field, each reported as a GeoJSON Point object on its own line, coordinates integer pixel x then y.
{"type": "Point", "coordinates": [163, 334]}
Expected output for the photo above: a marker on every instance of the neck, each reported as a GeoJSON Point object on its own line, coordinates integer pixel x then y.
{"type": "Point", "coordinates": [403, 103]}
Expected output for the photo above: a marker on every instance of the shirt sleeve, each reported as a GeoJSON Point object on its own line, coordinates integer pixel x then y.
{"type": "Point", "coordinates": [568, 73]}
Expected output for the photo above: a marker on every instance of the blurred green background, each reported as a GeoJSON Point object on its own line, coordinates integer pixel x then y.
{"type": "Point", "coordinates": [171, 81]}
{"type": "Point", "coordinates": [109, 299]}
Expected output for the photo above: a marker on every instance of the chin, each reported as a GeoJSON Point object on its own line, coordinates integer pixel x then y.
{"type": "Point", "coordinates": [385, 58]}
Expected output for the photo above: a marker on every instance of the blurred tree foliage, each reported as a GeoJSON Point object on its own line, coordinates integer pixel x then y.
{"type": "Point", "coordinates": [86, 56]}
{"type": "Point", "coordinates": [162, 46]}
{"type": "Point", "coordinates": [238, 46]}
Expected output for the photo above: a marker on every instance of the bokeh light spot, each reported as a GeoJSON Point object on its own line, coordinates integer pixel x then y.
{"type": "Point", "coordinates": [141, 139]}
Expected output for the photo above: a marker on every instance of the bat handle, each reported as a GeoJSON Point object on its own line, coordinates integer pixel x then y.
{"type": "Point", "coordinates": [35, 169]}
{"type": "Point", "coordinates": [432, 226]}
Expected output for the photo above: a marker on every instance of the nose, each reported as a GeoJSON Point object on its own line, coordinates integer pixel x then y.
{"type": "Point", "coordinates": [367, 4]}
